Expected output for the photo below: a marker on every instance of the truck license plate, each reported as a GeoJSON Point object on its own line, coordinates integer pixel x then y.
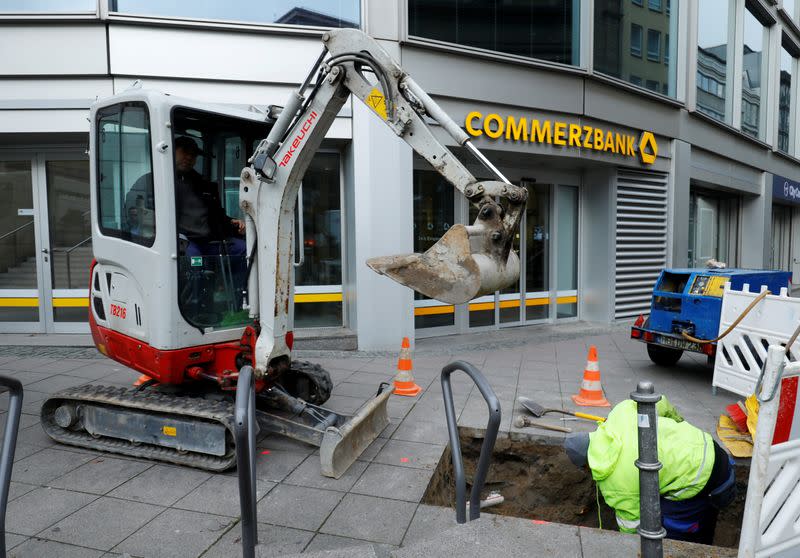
{"type": "Point", "coordinates": [682, 344]}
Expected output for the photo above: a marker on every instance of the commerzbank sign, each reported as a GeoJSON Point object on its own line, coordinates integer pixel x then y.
{"type": "Point", "coordinates": [566, 134]}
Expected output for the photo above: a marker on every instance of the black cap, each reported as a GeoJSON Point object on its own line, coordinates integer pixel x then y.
{"type": "Point", "coordinates": [577, 448]}
{"type": "Point", "coordinates": [187, 144]}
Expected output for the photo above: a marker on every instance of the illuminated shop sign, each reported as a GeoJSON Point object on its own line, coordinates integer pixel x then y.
{"type": "Point", "coordinates": [785, 189]}
{"type": "Point", "coordinates": [555, 132]}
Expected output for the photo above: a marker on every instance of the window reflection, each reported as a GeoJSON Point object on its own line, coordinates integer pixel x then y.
{"type": "Point", "coordinates": [316, 13]}
{"type": "Point", "coordinates": [752, 72]}
{"type": "Point", "coordinates": [784, 100]}
{"type": "Point", "coordinates": [545, 29]}
{"type": "Point", "coordinates": [712, 58]}
{"type": "Point", "coordinates": [48, 6]}
{"type": "Point", "coordinates": [631, 42]}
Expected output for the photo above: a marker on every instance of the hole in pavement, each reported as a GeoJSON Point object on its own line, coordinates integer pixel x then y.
{"type": "Point", "coordinates": [539, 482]}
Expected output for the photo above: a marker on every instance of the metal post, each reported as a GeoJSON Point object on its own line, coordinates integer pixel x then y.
{"type": "Point", "coordinates": [9, 445]}
{"type": "Point", "coordinates": [245, 428]}
{"type": "Point", "coordinates": [650, 529]}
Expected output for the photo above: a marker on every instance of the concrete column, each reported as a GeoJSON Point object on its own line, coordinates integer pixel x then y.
{"type": "Point", "coordinates": [382, 221]}
{"type": "Point", "coordinates": [755, 227]}
{"type": "Point", "coordinates": [679, 204]}
{"type": "Point", "coordinates": [597, 245]}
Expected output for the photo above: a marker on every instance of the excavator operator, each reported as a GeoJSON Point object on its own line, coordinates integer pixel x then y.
{"type": "Point", "coordinates": [201, 217]}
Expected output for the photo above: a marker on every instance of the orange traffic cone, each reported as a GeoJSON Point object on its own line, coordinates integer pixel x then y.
{"type": "Point", "coordinates": [591, 394]}
{"type": "Point", "coordinates": [404, 381]}
{"type": "Point", "coordinates": [140, 380]}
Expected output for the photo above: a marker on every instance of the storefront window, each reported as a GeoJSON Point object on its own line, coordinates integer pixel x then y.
{"type": "Point", "coordinates": [712, 59]}
{"type": "Point", "coordinates": [545, 29]}
{"type": "Point", "coordinates": [713, 228]}
{"type": "Point", "coordinates": [318, 282]}
{"type": "Point", "coordinates": [48, 6]}
{"type": "Point", "coordinates": [315, 13]}
{"type": "Point", "coordinates": [785, 100]}
{"type": "Point", "coordinates": [567, 252]}
{"type": "Point", "coordinates": [752, 74]}
{"type": "Point", "coordinates": [433, 216]}
{"type": "Point", "coordinates": [621, 28]}
{"type": "Point", "coordinates": [537, 251]}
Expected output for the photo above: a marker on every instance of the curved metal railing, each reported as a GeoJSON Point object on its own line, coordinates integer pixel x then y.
{"type": "Point", "coordinates": [9, 445]}
{"type": "Point", "coordinates": [245, 430]}
{"type": "Point", "coordinates": [455, 443]}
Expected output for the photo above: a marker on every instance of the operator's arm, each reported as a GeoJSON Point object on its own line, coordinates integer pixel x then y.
{"type": "Point", "coordinates": [665, 409]}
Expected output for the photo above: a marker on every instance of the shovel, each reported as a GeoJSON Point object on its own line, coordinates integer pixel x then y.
{"type": "Point", "coordinates": [539, 411]}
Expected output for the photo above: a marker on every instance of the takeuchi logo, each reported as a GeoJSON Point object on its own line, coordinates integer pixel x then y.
{"type": "Point", "coordinates": [554, 132]}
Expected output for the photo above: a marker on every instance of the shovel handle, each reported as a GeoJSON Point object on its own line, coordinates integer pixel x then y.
{"type": "Point", "coordinates": [588, 416]}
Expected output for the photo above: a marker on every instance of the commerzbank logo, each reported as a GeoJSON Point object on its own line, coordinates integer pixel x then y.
{"type": "Point", "coordinates": [554, 132]}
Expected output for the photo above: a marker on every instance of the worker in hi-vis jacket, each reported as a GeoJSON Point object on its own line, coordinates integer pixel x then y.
{"type": "Point", "coordinates": [696, 479]}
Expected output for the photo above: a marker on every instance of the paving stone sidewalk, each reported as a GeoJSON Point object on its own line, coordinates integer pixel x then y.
{"type": "Point", "coordinates": [69, 502]}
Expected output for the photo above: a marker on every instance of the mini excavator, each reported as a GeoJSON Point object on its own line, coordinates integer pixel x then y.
{"type": "Point", "coordinates": [189, 323]}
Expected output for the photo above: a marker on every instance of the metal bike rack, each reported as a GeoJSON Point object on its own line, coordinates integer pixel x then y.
{"type": "Point", "coordinates": [245, 430]}
{"type": "Point", "coordinates": [455, 444]}
{"type": "Point", "coordinates": [9, 445]}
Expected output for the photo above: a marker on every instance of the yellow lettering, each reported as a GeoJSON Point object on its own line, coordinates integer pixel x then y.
{"type": "Point", "coordinates": [470, 118]}
{"type": "Point", "coordinates": [517, 130]}
{"type": "Point", "coordinates": [598, 139]}
{"type": "Point", "coordinates": [620, 144]}
{"type": "Point", "coordinates": [574, 135]}
{"type": "Point", "coordinates": [587, 138]}
{"type": "Point", "coordinates": [609, 142]}
{"type": "Point", "coordinates": [561, 130]}
{"type": "Point", "coordinates": [541, 133]}
{"type": "Point", "coordinates": [629, 146]}
{"type": "Point", "coordinates": [487, 126]}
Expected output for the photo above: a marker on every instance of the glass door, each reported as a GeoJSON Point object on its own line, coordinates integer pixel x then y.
{"type": "Point", "coordinates": [67, 240]}
{"type": "Point", "coordinates": [537, 259]}
{"type": "Point", "coordinates": [795, 248]}
{"type": "Point", "coordinates": [19, 247]}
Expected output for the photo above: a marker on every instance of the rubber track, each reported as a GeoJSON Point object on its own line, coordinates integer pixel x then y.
{"type": "Point", "coordinates": [150, 401]}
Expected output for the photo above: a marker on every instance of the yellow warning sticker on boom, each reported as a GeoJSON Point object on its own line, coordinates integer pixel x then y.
{"type": "Point", "coordinates": [169, 430]}
{"type": "Point", "coordinates": [377, 102]}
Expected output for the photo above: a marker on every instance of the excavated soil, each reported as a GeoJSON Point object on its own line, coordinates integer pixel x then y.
{"type": "Point", "coordinates": [539, 482]}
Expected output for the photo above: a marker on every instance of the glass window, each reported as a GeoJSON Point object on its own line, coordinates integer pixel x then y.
{"type": "Point", "coordinates": [752, 72]}
{"type": "Point", "coordinates": [125, 187]}
{"type": "Point", "coordinates": [654, 5]}
{"type": "Point", "coordinates": [318, 282]}
{"type": "Point", "coordinates": [712, 58]}
{"type": "Point", "coordinates": [789, 8]}
{"type": "Point", "coordinates": [545, 29]}
{"type": "Point", "coordinates": [713, 228]}
{"type": "Point", "coordinates": [212, 267]}
{"type": "Point", "coordinates": [48, 6]}
{"type": "Point", "coordinates": [653, 45]}
{"type": "Point", "coordinates": [618, 43]}
{"type": "Point", "coordinates": [70, 224]}
{"type": "Point", "coordinates": [653, 85]}
{"type": "Point", "coordinates": [567, 252]}
{"type": "Point", "coordinates": [636, 40]}
{"type": "Point", "coordinates": [433, 216]}
{"type": "Point", "coordinates": [785, 100]}
{"type": "Point", "coordinates": [316, 13]}
{"type": "Point", "coordinates": [637, 2]}
{"type": "Point", "coordinates": [537, 251]}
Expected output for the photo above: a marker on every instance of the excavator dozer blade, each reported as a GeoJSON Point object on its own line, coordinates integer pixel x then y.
{"type": "Point", "coordinates": [446, 271]}
{"type": "Point", "coordinates": [341, 445]}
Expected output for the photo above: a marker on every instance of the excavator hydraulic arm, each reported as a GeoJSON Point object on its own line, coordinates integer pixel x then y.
{"type": "Point", "coordinates": [468, 261]}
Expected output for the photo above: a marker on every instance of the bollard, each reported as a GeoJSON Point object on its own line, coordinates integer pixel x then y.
{"type": "Point", "coordinates": [650, 529]}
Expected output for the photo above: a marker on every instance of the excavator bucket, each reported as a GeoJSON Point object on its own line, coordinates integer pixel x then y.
{"type": "Point", "coordinates": [341, 445]}
{"type": "Point", "coordinates": [446, 271]}
{"type": "Point", "coordinates": [449, 271]}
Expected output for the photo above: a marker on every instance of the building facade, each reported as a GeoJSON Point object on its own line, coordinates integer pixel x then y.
{"type": "Point", "coordinates": [649, 133]}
